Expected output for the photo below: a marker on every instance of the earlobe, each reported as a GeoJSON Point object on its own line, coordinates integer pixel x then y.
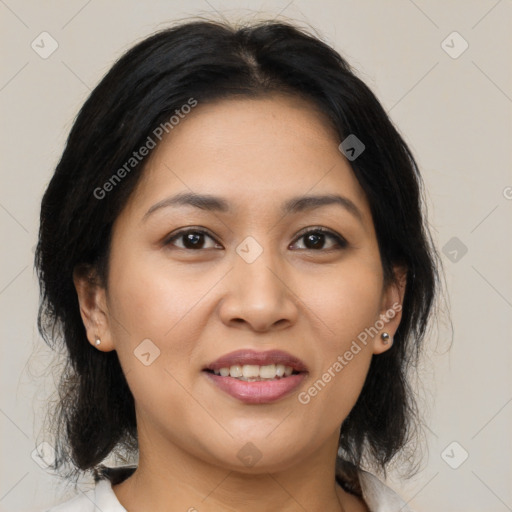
{"type": "Point", "coordinates": [391, 311]}
{"type": "Point", "coordinates": [386, 338]}
{"type": "Point", "coordinates": [93, 307]}
{"type": "Point", "coordinates": [383, 343]}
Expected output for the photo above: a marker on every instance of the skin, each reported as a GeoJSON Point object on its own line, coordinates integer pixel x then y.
{"type": "Point", "coordinates": [198, 304]}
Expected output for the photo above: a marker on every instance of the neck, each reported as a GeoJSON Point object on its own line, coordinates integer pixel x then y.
{"type": "Point", "coordinates": [170, 479]}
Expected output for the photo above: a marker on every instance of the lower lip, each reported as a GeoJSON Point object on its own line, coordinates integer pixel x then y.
{"type": "Point", "coordinates": [257, 392]}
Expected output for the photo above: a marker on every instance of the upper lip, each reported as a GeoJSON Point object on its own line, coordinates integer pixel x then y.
{"type": "Point", "coordinates": [248, 356]}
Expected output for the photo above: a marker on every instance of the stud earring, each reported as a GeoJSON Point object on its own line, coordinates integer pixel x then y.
{"type": "Point", "coordinates": [97, 342]}
{"type": "Point", "coordinates": [385, 338]}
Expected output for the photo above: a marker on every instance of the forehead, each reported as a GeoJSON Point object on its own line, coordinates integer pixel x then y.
{"type": "Point", "coordinates": [256, 152]}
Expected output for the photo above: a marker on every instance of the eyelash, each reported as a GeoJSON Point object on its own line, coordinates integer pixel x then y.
{"type": "Point", "coordinates": [340, 241]}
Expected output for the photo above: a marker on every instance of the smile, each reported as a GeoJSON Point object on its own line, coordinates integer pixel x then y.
{"type": "Point", "coordinates": [254, 373]}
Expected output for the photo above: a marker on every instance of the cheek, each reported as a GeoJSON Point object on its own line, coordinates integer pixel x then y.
{"type": "Point", "coordinates": [348, 305]}
{"type": "Point", "coordinates": [347, 301]}
{"type": "Point", "coordinates": [152, 313]}
{"type": "Point", "coordinates": [151, 299]}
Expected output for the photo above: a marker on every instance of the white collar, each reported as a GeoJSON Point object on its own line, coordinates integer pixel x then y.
{"type": "Point", "coordinates": [378, 496]}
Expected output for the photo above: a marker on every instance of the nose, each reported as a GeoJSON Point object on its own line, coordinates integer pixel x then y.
{"type": "Point", "coordinates": [259, 296]}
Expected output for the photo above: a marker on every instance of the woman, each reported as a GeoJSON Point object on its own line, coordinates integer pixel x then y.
{"type": "Point", "coordinates": [233, 251]}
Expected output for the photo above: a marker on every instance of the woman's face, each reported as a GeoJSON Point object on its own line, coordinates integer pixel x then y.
{"type": "Point", "coordinates": [246, 270]}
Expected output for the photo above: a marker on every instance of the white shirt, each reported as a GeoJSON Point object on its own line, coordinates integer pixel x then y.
{"type": "Point", "coordinates": [378, 497]}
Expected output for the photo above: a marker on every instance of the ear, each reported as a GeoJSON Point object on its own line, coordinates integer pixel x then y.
{"type": "Point", "coordinates": [93, 307]}
{"type": "Point", "coordinates": [391, 310]}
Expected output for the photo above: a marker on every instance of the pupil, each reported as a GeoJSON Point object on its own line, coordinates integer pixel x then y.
{"type": "Point", "coordinates": [194, 239]}
{"type": "Point", "coordinates": [316, 239]}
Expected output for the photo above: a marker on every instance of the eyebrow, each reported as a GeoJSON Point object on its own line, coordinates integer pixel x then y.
{"type": "Point", "coordinates": [218, 204]}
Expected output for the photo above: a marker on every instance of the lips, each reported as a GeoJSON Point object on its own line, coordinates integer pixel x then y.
{"type": "Point", "coordinates": [253, 357]}
{"type": "Point", "coordinates": [292, 373]}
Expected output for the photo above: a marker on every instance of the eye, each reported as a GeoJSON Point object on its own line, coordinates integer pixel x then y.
{"type": "Point", "coordinates": [315, 239]}
{"type": "Point", "coordinates": [193, 239]}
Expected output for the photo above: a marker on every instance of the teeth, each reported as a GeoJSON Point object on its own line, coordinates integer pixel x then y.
{"type": "Point", "coordinates": [267, 372]}
{"type": "Point", "coordinates": [235, 371]}
{"type": "Point", "coordinates": [252, 372]}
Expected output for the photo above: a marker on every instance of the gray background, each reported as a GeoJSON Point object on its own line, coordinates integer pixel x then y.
{"type": "Point", "coordinates": [453, 108]}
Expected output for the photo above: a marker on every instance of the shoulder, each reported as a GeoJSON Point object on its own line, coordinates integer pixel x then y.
{"type": "Point", "coordinates": [102, 498]}
{"type": "Point", "coordinates": [378, 496]}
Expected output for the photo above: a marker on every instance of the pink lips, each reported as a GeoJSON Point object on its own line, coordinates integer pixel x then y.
{"type": "Point", "coordinates": [257, 392]}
